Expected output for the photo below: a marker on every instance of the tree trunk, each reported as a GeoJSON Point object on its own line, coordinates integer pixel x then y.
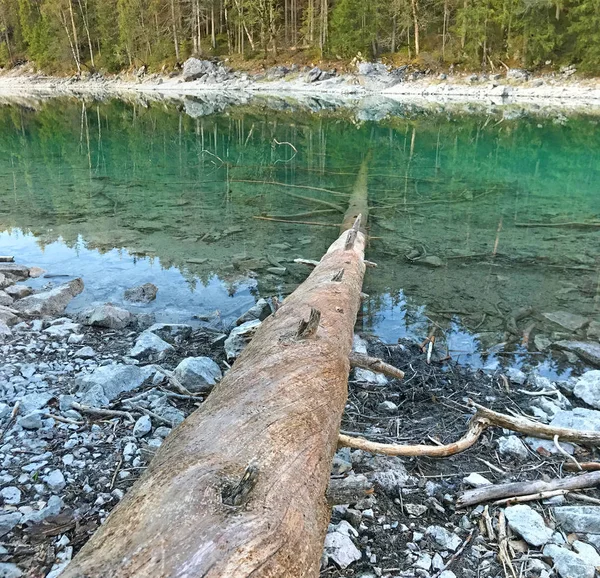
{"type": "Point", "coordinates": [87, 32]}
{"type": "Point", "coordinates": [238, 489]}
{"type": "Point", "coordinates": [415, 11]}
{"type": "Point", "coordinates": [175, 39]}
{"type": "Point", "coordinates": [75, 39]}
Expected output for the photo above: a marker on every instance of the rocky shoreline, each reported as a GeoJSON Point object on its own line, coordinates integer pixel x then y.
{"type": "Point", "coordinates": [88, 398]}
{"type": "Point", "coordinates": [370, 86]}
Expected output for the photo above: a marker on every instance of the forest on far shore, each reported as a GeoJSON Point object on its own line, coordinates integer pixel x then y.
{"type": "Point", "coordinates": [113, 35]}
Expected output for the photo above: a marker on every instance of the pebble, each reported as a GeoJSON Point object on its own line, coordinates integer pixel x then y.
{"type": "Point", "coordinates": [476, 480]}
{"type": "Point", "coordinates": [11, 495]}
{"type": "Point", "coordinates": [55, 480]}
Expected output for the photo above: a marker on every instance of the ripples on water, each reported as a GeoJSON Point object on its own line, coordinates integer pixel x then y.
{"type": "Point", "coordinates": [124, 194]}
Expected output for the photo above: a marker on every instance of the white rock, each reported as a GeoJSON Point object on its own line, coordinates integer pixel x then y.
{"type": "Point", "coordinates": [587, 388]}
{"type": "Point", "coordinates": [476, 480]}
{"type": "Point", "coordinates": [51, 302]}
{"type": "Point", "coordinates": [240, 337]}
{"type": "Point", "coordinates": [142, 427]}
{"type": "Point", "coordinates": [567, 563]}
{"type": "Point", "coordinates": [85, 353]}
{"type": "Point", "coordinates": [55, 480]}
{"type": "Point", "coordinates": [528, 524]}
{"type": "Point", "coordinates": [443, 538]}
{"type": "Point", "coordinates": [339, 546]}
{"type": "Point", "coordinates": [198, 374]}
{"type": "Point", "coordinates": [11, 495]}
{"type": "Point", "coordinates": [149, 344]}
{"type": "Point", "coordinates": [588, 553]}
{"type": "Point", "coordinates": [578, 519]}
{"type": "Point", "coordinates": [512, 446]}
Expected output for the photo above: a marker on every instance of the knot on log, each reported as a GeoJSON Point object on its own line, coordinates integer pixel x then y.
{"type": "Point", "coordinates": [237, 495]}
{"type": "Point", "coordinates": [307, 329]}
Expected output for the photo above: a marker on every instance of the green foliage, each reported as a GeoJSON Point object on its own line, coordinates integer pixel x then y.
{"type": "Point", "coordinates": [117, 34]}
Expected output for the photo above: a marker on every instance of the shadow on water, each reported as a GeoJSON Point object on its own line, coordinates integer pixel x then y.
{"type": "Point", "coordinates": [122, 194]}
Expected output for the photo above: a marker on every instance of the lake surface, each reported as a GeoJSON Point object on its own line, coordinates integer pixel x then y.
{"type": "Point", "coordinates": [124, 193]}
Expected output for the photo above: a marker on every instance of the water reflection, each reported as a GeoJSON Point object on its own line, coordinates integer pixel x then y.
{"type": "Point", "coordinates": [460, 208]}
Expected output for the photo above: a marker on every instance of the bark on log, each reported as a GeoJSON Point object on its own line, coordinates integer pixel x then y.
{"type": "Point", "coordinates": [238, 489]}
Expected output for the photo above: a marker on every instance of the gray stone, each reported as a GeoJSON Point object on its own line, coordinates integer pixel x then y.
{"type": "Point", "coordinates": [528, 524]}
{"type": "Point", "coordinates": [339, 546]}
{"type": "Point", "coordinates": [5, 331]}
{"type": "Point", "coordinates": [52, 302]}
{"type": "Point", "coordinates": [163, 408]}
{"type": "Point", "coordinates": [74, 339]}
{"type": "Point", "coordinates": [516, 376]}
{"type": "Point", "coordinates": [501, 91]}
{"type": "Point", "coordinates": [430, 261]}
{"type": "Point", "coordinates": [566, 320]}
{"type": "Point", "coordinates": [171, 332]}
{"type": "Point", "coordinates": [108, 316]}
{"type": "Point", "coordinates": [589, 351]}
{"type": "Point", "coordinates": [388, 407]}
{"type": "Point", "coordinates": [11, 495]}
{"type": "Point", "coordinates": [578, 518]}
{"type": "Point", "coordinates": [32, 420]}
{"type": "Point", "coordinates": [8, 316]}
{"type": "Point", "coordinates": [109, 381]}
{"type": "Point", "coordinates": [19, 291]}
{"type": "Point", "coordinates": [443, 538]}
{"type": "Point", "coordinates": [33, 401]}
{"type": "Point", "coordinates": [240, 337]}
{"type": "Point", "coordinates": [198, 374]}
{"type": "Point", "coordinates": [588, 553]}
{"type": "Point", "coordinates": [142, 427]}
{"type": "Point", "coordinates": [447, 574]}
{"type": "Point", "coordinates": [63, 329]}
{"type": "Point", "coordinates": [542, 343]}
{"type": "Point", "coordinates": [19, 272]}
{"type": "Point", "coordinates": [593, 330]}
{"type": "Point", "coordinates": [476, 480]}
{"type": "Point", "coordinates": [567, 563]}
{"type": "Point", "coordinates": [9, 570]}
{"type": "Point", "coordinates": [5, 299]}
{"type": "Point", "coordinates": [142, 294]}
{"type": "Point", "coordinates": [517, 74]}
{"type": "Point", "coordinates": [55, 480]}
{"type": "Point", "coordinates": [85, 353]}
{"type": "Point", "coordinates": [53, 508]}
{"type": "Point", "coordinates": [587, 388]}
{"type": "Point", "coordinates": [193, 69]}
{"type": "Point", "coordinates": [261, 310]}
{"type": "Point", "coordinates": [8, 521]}
{"type": "Point", "coordinates": [149, 344]}
{"type": "Point", "coordinates": [314, 75]}
{"type": "Point", "coordinates": [512, 446]}
{"type": "Point", "coordinates": [359, 345]}
{"type": "Point", "coordinates": [423, 561]}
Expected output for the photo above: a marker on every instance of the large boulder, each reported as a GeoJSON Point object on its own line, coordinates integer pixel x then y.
{"type": "Point", "coordinates": [193, 69]}
{"type": "Point", "coordinates": [108, 316]}
{"type": "Point", "coordinates": [19, 272]}
{"type": "Point", "coordinates": [142, 294]}
{"type": "Point", "coordinates": [52, 302]}
{"type": "Point", "coordinates": [198, 374]}
{"type": "Point", "coordinates": [99, 388]}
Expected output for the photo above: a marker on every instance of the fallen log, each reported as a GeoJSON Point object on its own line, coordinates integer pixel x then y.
{"type": "Point", "coordinates": [238, 489]}
{"type": "Point", "coordinates": [513, 489]}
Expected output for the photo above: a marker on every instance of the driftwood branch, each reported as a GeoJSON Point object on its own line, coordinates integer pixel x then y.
{"type": "Point", "coordinates": [375, 364]}
{"type": "Point", "coordinates": [499, 491]}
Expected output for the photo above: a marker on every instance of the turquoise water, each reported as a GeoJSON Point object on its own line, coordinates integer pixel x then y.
{"type": "Point", "coordinates": [121, 194]}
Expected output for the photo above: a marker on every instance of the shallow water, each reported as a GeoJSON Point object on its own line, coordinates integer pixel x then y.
{"type": "Point", "coordinates": [122, 194]}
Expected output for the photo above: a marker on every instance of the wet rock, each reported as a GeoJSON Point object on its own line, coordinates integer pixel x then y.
{"type": "Point", "coordinates": [528, 524]}
{"type": "Point", "coordinates": [261, 310]}
{"type": "Point", "coordinates": [19, 272]}
{"type": "Point", "coordinates": [578, 518]}
{"type": "Point", "coordinates": [55, 480]}
{"type": "Point", "coordinates": [19, 291]}
{"type": "Point", "coordinates": [443, 538]}
{"type": "Point", "coordinates": [587, 350]}
{"type": "Point", "coordinates": [513, 447]}
{"type": "Point", "coordinates": [50, 303]}
{"type": "Point", "coordinates": [99, 388]}
{"type": "Point", "coordinates": [339, 546]}
{"type": "Point", "coordinates": [476, 480]}
{"type": "Point", "coordinates": [240, 337]}
{"type": "Point", "coordinates": [171, 332]}
{"type": "Point", "coordinates": [587, 388]}
{"type": "Point", "coordinates": [142, 294]}
{"type": "Point", "coordinates": [570, 321]}
{"type": "Point", "coordinates": [9, 570]}
{"type": "Point", "coordinates": [142, 427]}
{"type": "Point", "coordinates": [193, 69]}
{"type": "Point", "coordinates": [567, 563]}
{"type": "Point", "coordinates": [198, 374]}
{"type": "Point", "coordinates": [108, 316]}
{"type": "Point", "coordinates": [148, 344]}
